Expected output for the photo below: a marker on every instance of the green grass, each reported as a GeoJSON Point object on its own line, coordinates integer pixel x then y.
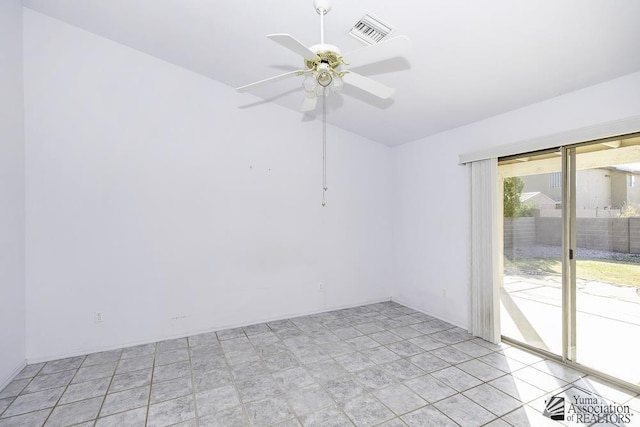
{"type": "Point", "coordinates": [616, 272]}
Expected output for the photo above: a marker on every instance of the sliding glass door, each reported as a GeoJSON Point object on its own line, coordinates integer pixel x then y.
{"type": "Point", "coordinates": [531, 296]}
{"type": "Point", "coordinates": [571, 237]}
{"type": "Point", "coordinates": [607, 257]}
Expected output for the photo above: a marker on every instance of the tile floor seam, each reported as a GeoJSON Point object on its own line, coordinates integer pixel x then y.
{"type": "Point", "coordinates": [242, 404]}
{"type": "Point", "coordinates": [153, 369]}
{"type": "Point", "coordinates": [104, 399]}
{"type": "Point", "coordinates": [193, 383]}
{"type": "Point", "coordinates": [23, 389]}
{"type": "Point", "coordinates": [10, 403]}
{"type": "Point", "coordinates": [296, 416]}
{"type": "Point", "coordinates": [64, 391]}
{"type": "Point", "coordinates": [448, 417]}
{"type": "Point", "coordinates": [369, 392]}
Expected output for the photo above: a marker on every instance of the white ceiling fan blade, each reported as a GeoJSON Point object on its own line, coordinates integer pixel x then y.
{"type": "Point", "coordinates": [294, 45]}
{"type": "Point", "coordinates": [391, 48]}
{"type": "Point", "coordinates": [269, 80]}
{"type": "Point", "coordinates": [368, 85]}
{"type": "Point", "coordinates": [309, 103]}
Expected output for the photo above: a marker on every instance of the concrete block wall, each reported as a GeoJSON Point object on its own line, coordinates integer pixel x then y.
{"type": "Point", "coordinates": [620, 237]}
{"type": "Point", "coordinates": [594, 233]}
{"type": "Point", "coordinates": [549, 231]}
{"type": "Point", "coordinates": [605, 234]}
{"type": "Point", "coordinates": [519, 231]}
{"type": "Point", "coordinates": [634, 235]}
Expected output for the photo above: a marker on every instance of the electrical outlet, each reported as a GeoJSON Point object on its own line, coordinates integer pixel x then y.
{"type": "Point", "coordinates": [320, 286]}
{"type": "Point", "coordinates": [98, 317]}
{"type": "Point", "coordinates": [444, 292]}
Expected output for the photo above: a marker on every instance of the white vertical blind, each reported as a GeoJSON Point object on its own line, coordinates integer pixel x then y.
{"type": "Point", "coordinates": [485, 251]}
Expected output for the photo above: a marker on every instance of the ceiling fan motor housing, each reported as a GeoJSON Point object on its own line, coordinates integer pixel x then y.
{"type": "Point", "coordinates": [328, 54]}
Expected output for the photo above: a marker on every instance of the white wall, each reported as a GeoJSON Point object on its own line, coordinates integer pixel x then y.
{"type": "Point", "coordinates": [12, 286]}
{"type": "Point", "coordinates": [431, 222]}
{"type": "Point", "coordinates": [152, 197]}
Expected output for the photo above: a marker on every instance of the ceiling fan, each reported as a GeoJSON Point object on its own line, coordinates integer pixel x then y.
{"type": "Point", "coordinates": [323, 62]}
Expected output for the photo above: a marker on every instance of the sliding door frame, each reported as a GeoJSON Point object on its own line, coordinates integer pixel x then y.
{"type": "Point", "coordinates": [569, 344]}
{"type": "Point", "coordinates": [568, 254]}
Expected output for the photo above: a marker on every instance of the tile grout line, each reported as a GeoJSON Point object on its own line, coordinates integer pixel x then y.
{"type": "Point", "coordinates": [104, 398]}
{"type": "Point", "coordinates": [233, 381]}
{"type": "Point", "coordinates": [13, 398]}
{"type": "Point", "coordinates": [193, 384]}
{"type": "Point", "coordinates": [65, 389]}
{"type": "Point", "coordinates": [153, 370]}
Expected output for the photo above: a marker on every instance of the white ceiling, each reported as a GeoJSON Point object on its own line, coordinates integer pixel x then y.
{"type": "Point", "coordinates": [470, 59]}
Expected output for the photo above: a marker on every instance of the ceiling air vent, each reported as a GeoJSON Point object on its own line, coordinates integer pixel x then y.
{"type": "Point", "coordinates": [370, 29]}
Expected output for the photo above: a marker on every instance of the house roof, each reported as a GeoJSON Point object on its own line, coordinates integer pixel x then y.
{"type": "Point", "coordinates": [538, 197]}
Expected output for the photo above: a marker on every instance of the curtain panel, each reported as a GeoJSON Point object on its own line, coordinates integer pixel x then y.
{"type": "Point", "coordinates": [484, 294]}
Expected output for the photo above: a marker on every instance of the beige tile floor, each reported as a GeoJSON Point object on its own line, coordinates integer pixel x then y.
{"type": "Point", "coordinates": [382, 364]}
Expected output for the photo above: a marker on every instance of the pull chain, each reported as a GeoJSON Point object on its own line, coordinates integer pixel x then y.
{"type": "Point", "coordinates": [324, 147]}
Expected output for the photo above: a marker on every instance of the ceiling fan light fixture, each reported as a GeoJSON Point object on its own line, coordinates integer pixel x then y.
{"type": "Point", "coordinates": [321, 91]}
{"type": "Point", "coordinates": [324, 79]}
{"type": "Point", "coordinates": [310, 84]}
{"type": "Point", "coordinates": [324, 75]}
{"type": "Point", "coordinates": [337, 84]}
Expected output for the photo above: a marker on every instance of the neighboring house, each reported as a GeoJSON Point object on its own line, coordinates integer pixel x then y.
{"type": "Point", "coordinates": [539, 200]}
{"type": "Point", "coordinates": [625, 188]}
{"type": "Point", "coordinates": [596, 189]}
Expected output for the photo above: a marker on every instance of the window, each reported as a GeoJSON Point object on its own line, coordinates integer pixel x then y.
{"type": "Point", "coordinates": [555, 179]}
{"type": "Point", "coordinates": [632, 180]}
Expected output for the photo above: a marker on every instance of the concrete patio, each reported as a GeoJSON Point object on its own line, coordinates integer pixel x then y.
{"type": "Point", "coordinates": [607, 321]}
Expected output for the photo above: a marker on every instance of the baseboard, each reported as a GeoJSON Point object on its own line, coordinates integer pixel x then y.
{"type": "Point", "coordinates": [406, 304]}
{"type": "Point", "coordinates": [5, 381]}
{"type": "Point", "coordinates": [32, 360]}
